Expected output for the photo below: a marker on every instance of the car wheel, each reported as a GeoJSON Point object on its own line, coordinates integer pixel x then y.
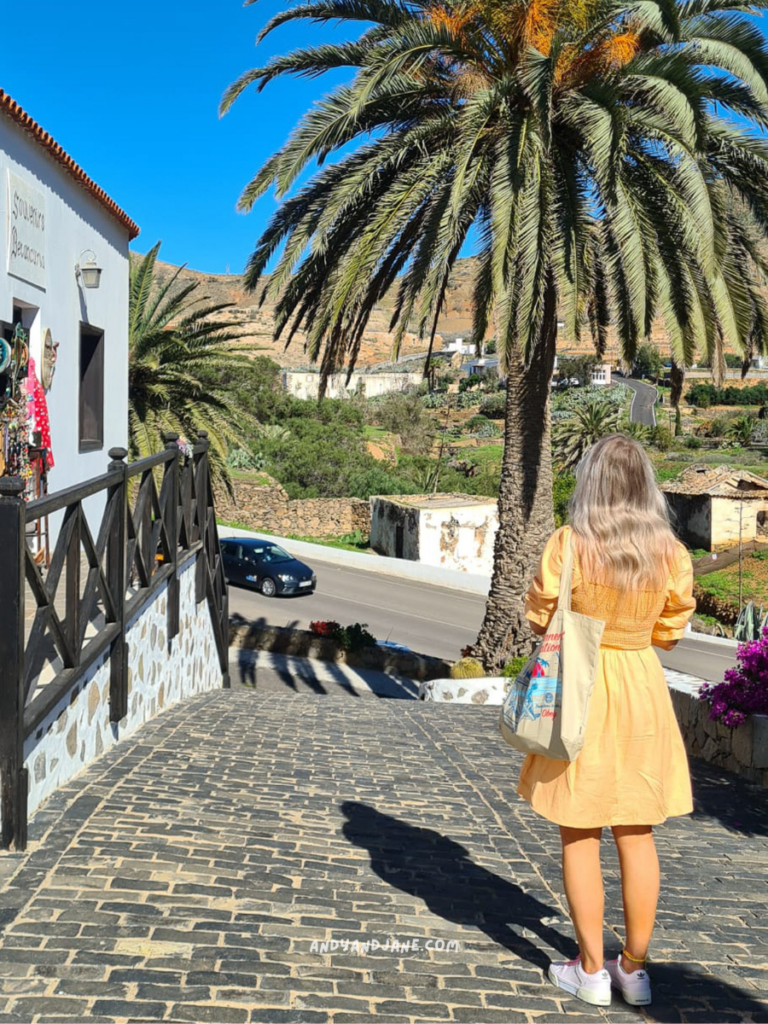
{"type": "Point", "coordinates": [268, 587]}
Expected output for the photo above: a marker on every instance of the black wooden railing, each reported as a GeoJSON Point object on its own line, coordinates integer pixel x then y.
{"type": "Point", "coordinates": [158, 516]}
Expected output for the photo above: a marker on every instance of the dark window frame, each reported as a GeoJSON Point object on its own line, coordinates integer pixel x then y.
{"type": "Point", "coordinates": [91, 378]}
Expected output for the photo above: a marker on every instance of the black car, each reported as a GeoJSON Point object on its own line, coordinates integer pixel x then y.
{"type": "Point", "coordinates": [251, 562]}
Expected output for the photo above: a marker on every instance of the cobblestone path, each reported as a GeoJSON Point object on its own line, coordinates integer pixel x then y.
{"type": "Point", "coordinates": [187, 874]}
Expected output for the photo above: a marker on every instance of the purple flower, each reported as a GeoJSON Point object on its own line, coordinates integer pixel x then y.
{"type": "Point", "coordinates": [744, 690]}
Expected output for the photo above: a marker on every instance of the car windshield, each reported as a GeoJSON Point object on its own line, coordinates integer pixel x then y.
{"type": "Point", "coordinates": [268, 553]}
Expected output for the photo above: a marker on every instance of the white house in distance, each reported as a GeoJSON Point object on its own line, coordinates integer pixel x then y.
{"type": "Point", "coordinates": [64, 281]}
{"type": "Point", "coordinates": [306, 383]}
{"type": "Point", "coordinates": [601, 375]}
{"type": "Point", "coordinates": [466, 348]}
{"type": "Point", "coordinates": [455, 531]}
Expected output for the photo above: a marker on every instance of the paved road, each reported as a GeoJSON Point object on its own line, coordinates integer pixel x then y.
{"type": "Point", "coordinates": [185, 875]}
{"type": "Point", "coordinates": [642, 409]}
{"type": "Point", "coordinates": [428, 619]}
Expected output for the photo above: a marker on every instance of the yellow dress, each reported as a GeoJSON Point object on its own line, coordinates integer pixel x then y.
{"type": "Point", "coordinates": [632, 769]}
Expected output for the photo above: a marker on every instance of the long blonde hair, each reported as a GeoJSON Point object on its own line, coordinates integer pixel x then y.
{"type": "Point", "coordinates": [619, 517]}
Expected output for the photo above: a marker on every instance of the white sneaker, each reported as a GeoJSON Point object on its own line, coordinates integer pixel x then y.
{"type": "Point", "coordinates": [571, 977]}
{"type": "Point", "coordinates": [635, 986]}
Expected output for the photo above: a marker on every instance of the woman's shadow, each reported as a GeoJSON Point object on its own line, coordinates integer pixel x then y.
{"type": "Point", "coordinates": [439, 871]}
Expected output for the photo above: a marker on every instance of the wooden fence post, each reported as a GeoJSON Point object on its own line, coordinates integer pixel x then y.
{"type": "Point", "coordinates": [172, 531]}
{"type": "Point", "coordinates": [13, 774]}
{"type": "Point", "coordinates": [116, 569]}
{"type": "Point", "coordinates": [201, 493]}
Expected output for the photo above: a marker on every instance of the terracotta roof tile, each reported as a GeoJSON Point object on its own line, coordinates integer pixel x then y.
{"type": "Point", "coordinates": [718, 481]}
{"type": "Point", "coordinates": [17, 114]}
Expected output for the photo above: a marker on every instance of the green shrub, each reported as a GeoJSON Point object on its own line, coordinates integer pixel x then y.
{"type": "Point", "coordinates": [692, 442]}
{"type": "Point", "coordinates": [494, 407]}
{"type": "Point", "coordinates": [562, 489]}
{"type": "Point", "coordinates": [705, 395]}
{"type": "Point", "coordinates": [514, 667]}
{"type": "Point", "coordinates": [662, 438]}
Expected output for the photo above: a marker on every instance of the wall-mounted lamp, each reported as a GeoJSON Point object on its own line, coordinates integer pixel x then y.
{"type": "Point", "coordinates": [87, 271]}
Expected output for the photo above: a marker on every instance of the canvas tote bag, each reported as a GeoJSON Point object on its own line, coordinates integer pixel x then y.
{"type": "Point", "coordinates": [545, 711]}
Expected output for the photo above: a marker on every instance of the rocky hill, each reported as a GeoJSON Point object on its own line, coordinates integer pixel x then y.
{"type": "Point", "coordinates": [258, 322]}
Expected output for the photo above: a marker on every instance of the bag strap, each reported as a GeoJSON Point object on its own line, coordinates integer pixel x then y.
{"type": "Point", "coordinates": [566, 573]}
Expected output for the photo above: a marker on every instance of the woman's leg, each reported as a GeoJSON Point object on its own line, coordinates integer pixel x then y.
{"type": "Point", "coordinates": [640, 881]}
{"type": "Point", "coordinates": [583, 884]}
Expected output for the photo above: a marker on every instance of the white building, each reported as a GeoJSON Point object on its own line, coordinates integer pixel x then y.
{"type": "Point", "coordinates": [455, 531]}
{"type": "Point", "coordinates": [601, 375]}
{"type": "Point", "coordinates": [55, 218]}
{"type": "Point", "coordinates": [306, 383]}
{"type": "Point", "coordinates": [466, 348]}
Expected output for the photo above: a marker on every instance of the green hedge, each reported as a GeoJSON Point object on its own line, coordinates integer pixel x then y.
{"type": "Point", "coordinates": [705, 395]}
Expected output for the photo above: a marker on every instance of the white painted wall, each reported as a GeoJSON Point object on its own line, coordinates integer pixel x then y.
{"type": "Point", "coordinates": [306, 384]}
{"type": "Point", "coordinates": [459, 538]}
{"type": "Point", "coordinates": [74, 221]}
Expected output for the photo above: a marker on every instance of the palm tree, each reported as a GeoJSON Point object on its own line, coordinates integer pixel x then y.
{"type": "Point", "coordinates": [591, 146]}
{"type": "Point", "coordinates": [181, 365]}
{"type": "Point", "coordinates": [639, 431]}
{"type": "Point", "coordinates": [588, 424]}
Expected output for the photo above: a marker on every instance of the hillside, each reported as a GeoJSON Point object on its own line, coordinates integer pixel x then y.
{"type": "Point", "coordinates": [258, 322]}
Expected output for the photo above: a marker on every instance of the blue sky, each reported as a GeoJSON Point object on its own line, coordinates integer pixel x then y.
{"type": "Point", "coordinates": [131, 91]}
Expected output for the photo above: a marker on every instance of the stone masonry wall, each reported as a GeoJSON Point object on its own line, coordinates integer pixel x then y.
{"type": "Point", "coordinates": [743, 749]}
{"type": "Point", "coordinates": [268, 507]}
{"type": "Point", "coordinates": [160, 673]}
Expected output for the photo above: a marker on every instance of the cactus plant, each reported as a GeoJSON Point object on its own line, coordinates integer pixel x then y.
{"type": "Point", "coordinates": [467, 668]}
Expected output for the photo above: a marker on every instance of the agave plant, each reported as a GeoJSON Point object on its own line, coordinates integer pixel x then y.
{"type": "Point", "coordinates": [274, 432]}
{"type": "Point", "coordinates": [741, 429]}
{"type": "Point", "coordinates": [750, 623]}
{"type": "Point", "coordinates": [603, 153]}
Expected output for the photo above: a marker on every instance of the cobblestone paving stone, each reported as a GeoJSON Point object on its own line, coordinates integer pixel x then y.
{"type": "Point", "coordinates": [185, 876]}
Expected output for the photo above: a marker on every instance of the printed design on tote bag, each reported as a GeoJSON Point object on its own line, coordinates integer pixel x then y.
{"type": "Point", "coordinates": [538, 689]}
{"type": "Point", "coordinates": [542, 699]}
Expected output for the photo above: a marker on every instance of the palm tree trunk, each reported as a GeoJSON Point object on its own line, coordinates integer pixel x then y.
{"type": "Point", "coordinates": [677, 377]}
{"type": "Point", "coordinates": [526, 519]}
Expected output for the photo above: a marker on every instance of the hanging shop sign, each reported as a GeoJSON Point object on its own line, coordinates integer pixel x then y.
{"type": "Point", "coordinates": [26, 231]}
{"type": "Point", "coordinates": [48, 366]}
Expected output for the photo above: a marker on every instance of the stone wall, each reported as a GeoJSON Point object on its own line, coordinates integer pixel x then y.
{"type": "Point", "coordinates": [303, 644]}
{"type": "Point", "coordinates": [708, 604]}
{"type": "Point", "coordinates": [268, 507]}
{"type": "Point", "coordinates": [161, 672]}
{"type": "Point", "coordinates": [743, 750]}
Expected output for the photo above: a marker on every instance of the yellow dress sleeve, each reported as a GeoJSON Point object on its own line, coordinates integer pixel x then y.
{"type": "Point", "coordinates": [680, 603]}
{"type": "Point", "coordinates": [541, 599]}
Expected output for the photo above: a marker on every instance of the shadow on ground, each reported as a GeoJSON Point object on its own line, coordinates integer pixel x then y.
{"type": "Point", "coordinates": [737, 805]}
{"type": "Point", "coordinates": [439, 871]}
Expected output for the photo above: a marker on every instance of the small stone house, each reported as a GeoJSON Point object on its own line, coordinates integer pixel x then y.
{"type": "Point", "coordinates": [710, 503]}
{"type": "Point", "coordinates": [455, 531]}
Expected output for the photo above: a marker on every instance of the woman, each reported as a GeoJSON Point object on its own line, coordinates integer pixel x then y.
{"type": "Point", "coordinates": [632, 772]}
